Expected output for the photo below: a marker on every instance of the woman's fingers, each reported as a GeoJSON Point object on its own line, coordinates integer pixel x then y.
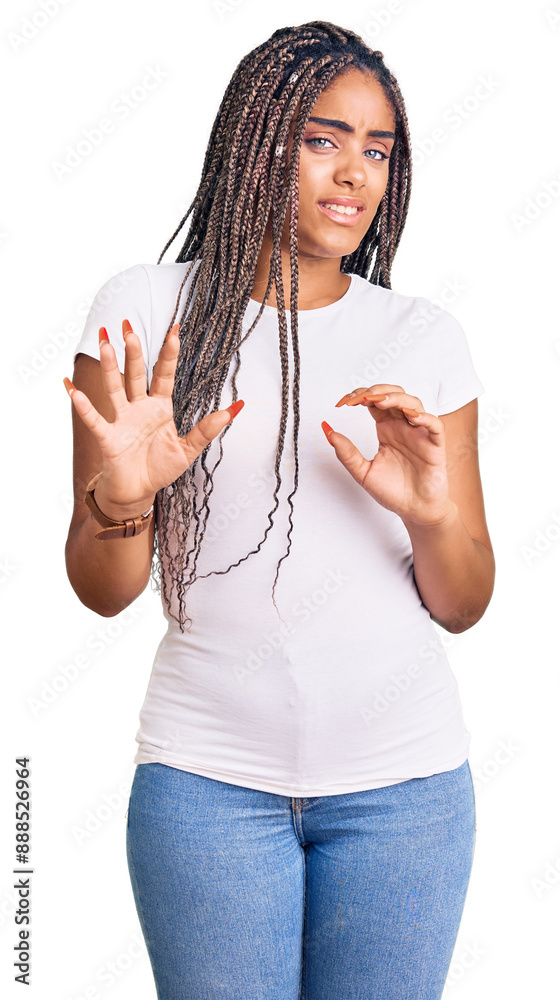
{"type": "Point", "coordinates": [412, 411]}
{"type": "Point", "coordinates": [91, 418]}
{"type": "Point", "coordinates": [391, 399]}
{"type": "Point", "coordinates": [432, 424]}
{"type": "Point", "coordinates": [384, 397]}
{"type": "Point", "coordinates": [134, 368]}
{"type": "Point", "coordinates": [207, 429]}
{"type": "Point", "coordinates": [110, 373]}
{"type": "Point", "coordinates": [347, 453]}
{"type": "Point", "coordinates": [355, 396]}
{"type": "Point", "coordinates": [163, 376]}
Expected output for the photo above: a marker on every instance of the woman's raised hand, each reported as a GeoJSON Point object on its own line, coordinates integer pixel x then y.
{"type": "Point", "coordinates": [141, 450]}
{"type": "Point", "coordinates": [408, 475]}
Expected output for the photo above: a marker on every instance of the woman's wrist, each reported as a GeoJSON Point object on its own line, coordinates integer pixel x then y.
{"type": "Point", "coordinates": [436, 522]}
{"type": "Point", "coordinates": [121, 511]}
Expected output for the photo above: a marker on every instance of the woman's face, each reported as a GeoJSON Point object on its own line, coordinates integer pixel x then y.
{"type": "Point", "coordinates": [342, 163]}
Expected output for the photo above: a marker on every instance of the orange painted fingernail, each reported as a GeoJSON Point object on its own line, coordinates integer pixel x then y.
{"type": "Point", "coordinates": [103, 335]}
{"type": "Point", "coordinates": [410, 413]}
{"type": "Point", "coordinates": [174, 330]}
{"type": "Point", "coordinates": [340, 402]}
{"type": "Point", "coordinates": [69, 386]}
{"type": "Point", "coordinates": [235, 408]}
{"type": "Point", "coordinates": [126, 327]}
{"type": "Point", "coordinates": [377, 398]}
{"type": "Point", "coordinates": [327, 430]}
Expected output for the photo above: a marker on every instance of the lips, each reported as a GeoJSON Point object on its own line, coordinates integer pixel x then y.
{"type": "Point", "coordinates": [344, 218]}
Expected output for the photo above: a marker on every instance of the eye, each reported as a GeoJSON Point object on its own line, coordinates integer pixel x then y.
{"type": "Point", "coordinates": [382, 156]}
{"type": "Point", "coordinates": [379, 155]}
{"type": "Point", "coordinates": [317, 138]}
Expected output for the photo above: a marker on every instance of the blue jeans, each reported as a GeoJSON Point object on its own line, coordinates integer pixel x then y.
{"type": "Point", "coordinates": [246, 895]}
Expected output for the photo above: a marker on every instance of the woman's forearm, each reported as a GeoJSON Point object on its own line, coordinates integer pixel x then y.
{"type": "Point", "coordinates": [107, 575]}
{"type": "Point", "coordinates": [454, 573]}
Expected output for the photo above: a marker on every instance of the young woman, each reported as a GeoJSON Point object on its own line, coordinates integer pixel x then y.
{"type": "Point", "coordinates": [301, 821]}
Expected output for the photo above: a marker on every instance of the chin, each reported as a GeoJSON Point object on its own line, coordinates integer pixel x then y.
{"type": "Point", "coordinates": [334, 248]}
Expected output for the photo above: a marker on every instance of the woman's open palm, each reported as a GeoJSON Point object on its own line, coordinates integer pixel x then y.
{"type": "Point", "coordinates": [141, 450]}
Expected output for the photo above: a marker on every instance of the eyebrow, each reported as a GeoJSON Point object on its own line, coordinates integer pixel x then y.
{"type": "Point", "coordinates": [376, 133]}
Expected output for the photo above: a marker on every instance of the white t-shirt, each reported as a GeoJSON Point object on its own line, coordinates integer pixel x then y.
{"type": "Point", "coordinates": [353, 690]}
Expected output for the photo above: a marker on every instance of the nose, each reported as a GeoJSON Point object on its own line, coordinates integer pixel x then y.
{"type": "Point", "coordinates": [351, 168]}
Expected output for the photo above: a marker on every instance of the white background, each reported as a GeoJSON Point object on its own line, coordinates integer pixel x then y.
{"type": "Point", "coordinates": [483, 217]}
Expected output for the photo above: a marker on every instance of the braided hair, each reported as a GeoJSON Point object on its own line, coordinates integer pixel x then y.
{"type": "Point", "coordinates": [245, 178]}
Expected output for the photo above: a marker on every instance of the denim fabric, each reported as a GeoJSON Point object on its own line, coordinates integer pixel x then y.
{"type": "Point", "coordinates": [246, 895]}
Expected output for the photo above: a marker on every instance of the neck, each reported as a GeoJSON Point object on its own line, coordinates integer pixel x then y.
{"type": "Point", "coordinates": [320, 280]}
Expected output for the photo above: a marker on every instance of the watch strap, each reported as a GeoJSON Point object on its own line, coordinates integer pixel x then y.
{"type": "Point", "coordinates": [115, 529]}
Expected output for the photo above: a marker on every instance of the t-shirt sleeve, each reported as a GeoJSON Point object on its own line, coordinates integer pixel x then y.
{"type": "Point", "coordinates": [124, 296]}
{"type": "Point", "coordinates": [458, 381]}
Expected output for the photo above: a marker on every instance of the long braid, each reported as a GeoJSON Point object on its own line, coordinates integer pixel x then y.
{"type": "Point", "coordinates": [245, 180]}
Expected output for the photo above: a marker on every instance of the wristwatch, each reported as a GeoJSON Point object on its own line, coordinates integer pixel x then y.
{"type": "Point", "coordinates": [115, 529]}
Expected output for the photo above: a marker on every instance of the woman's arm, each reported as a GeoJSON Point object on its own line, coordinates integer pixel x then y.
{"type": "Point", "coordinates": [129, 435]}
{"type": "Point", "coordinates": [454, 564]}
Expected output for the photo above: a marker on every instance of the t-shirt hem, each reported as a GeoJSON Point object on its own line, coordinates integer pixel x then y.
{"type": "Point", "coordinates": [279, 788]}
